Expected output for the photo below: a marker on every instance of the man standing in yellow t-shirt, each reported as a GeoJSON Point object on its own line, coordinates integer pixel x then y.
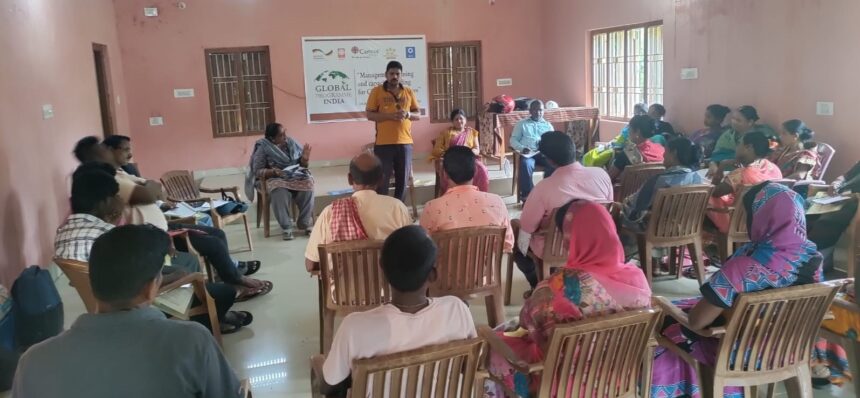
{"type": "Point", "coordinates": [393, 107]}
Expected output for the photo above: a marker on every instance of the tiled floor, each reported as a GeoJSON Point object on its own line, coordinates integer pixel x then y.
{"type": "Point", "coordinates": [273, 352]}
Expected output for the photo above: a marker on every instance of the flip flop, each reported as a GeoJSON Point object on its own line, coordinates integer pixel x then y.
{"type": "Point", "coordinates": [261, 291]}
{"type": "Point", "coordinates": [230, 328]}
{"type": "Point", "coordinates": [242, 318]}
{"type": "Point", "coordinates": [251, 266]}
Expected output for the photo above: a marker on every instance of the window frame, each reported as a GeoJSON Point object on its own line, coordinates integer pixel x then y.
{"type": "Point", "coordinates": [431, 80]}
{"type": "Point", "coordinates": [240, 88]}
{"type": "Point", "coordinates": [625, 29]}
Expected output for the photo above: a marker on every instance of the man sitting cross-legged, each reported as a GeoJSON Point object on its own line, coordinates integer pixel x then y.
{"type": "Point", "coordinates": [96, 208]}
{"type": "Point", "coordinates": [128, 349]}
{"type": "Point", "coordinates": [412, 320]}
{"type": "Point", "coordinates": [464, 205]}
{"type": "Point", "coordinates": [364, 215]}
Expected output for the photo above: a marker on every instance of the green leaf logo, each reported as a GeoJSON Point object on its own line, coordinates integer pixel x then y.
{"type": "Point", "coordinates": [332, 75]}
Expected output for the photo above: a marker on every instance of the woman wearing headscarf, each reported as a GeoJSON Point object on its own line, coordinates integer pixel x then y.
{"type": "Point", "coordinates": [284, 164]}
{"type": "Point", "coordinates": [595, 281]}
{"type": "Point", "coordinates": [778, 255]}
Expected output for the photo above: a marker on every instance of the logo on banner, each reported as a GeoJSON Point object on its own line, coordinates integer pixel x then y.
{"type": "Point", "coordinates": [390, 53]}
{"type": "Point", "coordinates": [358, 52]}
{"type": "Point", "coordinates": [341, 53]}
{"type": "Point", "coordinates": [320, 54]}
{"type": "Point", "coordinates": [332, 86]}
{"type": "Point", "coordinates": [410, 52]}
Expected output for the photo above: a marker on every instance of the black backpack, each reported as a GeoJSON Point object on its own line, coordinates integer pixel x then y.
{"type": "Point", "coordinates": [36, 306]}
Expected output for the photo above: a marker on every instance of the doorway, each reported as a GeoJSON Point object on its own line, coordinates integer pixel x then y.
{"type": "Point", "coordinates": [100, 56]}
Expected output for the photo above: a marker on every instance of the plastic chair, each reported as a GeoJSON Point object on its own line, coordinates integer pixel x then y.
{"type": "Point", "coordinates": [78, 273]}
{"type": "Point", "coordinates": [604, 356]}
{"type": "Point", "coordinates": [351, 280]}
{"type": "Point", "coordinates": [181, 187]}
{"type": "Point", "coordinates": [633, 178]}
{"type": "Point", "coordinates": [825, 155]}
{"type": "Point", "coordinates": [438, 371]}
{"type": "Point", "coordinates": [737, 232]}
{"type": "Point", "coordinates": [777, 327]}
{"type": "Point", "coordinates": [469, 265]}
{"type": "Point", "coordinates": [676, 221]}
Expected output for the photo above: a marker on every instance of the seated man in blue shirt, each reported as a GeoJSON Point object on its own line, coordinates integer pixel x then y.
{"type": "Point", "coordinates": [525, 139]}
{"type": "Point", "coordinates": [128, 348]}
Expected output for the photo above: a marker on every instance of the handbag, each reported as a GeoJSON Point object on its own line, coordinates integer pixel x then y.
{"type": "Point", "coordinates": [233, 205]}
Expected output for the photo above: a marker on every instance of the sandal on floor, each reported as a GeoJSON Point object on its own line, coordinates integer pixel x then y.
{"type": "Point", "coordinates": [251, 267]}
{"type": "Point", "coordinates": [229, 328]}
{"type": "Point", "coordinates": [239, 318]}
{"type": "Point", "coordinates": [260, 291]}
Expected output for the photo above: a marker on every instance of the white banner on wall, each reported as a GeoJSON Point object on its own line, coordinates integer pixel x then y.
{"type": "Point", "coordinates": [341, 71]}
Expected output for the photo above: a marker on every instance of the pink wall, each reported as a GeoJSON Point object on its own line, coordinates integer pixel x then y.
{"type": "Point", "coordinates": [47, 59]}
{"type": "Point", "coordinates": [779, 55]}
{"type": "Point", "coordinates": [166, 52]}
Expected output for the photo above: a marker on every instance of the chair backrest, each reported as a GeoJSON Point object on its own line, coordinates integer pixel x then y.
{"type": "Point", "coordinates": [598, 357]}
{"type": "Point", "coordinates": [633, 177]}
{"type": "Point", "coordinates": [825, 155]}
{"type": "Point", "coordinates": [784, 181]}
{"type": "Point", "coordinates": [352, 277]}
{"type": "Point", "coordinates": [556, 248]}
{"type": "Point", "coordinates": [677, 212]}
{"type": "Point", "coordinates": [469, 260]}
{"type": "Point", "coordinates": [78, 273]}
{"type": "Point", "coordinates": [738, 220]}
{"type": "Point", "coordinates": [772, 330]}
{"type": "Point", "coordinates": [180, 185]}
{"type": "Point", "coordinates": [439, 371]}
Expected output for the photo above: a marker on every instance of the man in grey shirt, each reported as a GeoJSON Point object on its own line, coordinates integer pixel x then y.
{"type": "Point", "coordinates": [128, 348]}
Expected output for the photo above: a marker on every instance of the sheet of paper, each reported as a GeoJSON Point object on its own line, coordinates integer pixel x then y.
{"type": "Point", "coordinates": [291, 168]}
{"type": "Point", "coordinates": [830, 200]}
{"type": "Point", "coordinates": [182, 210]}
{"type": "Point", "coordinates": [530, 154]}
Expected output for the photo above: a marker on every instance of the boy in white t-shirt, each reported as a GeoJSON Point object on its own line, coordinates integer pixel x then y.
{"type": "Point", "coordinates": [409, 263]}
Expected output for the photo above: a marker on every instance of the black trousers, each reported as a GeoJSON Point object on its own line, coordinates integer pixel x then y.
{"type": "Point", "coordinates": [224, 297]}
{"type": "Point", "coordinates": [212, 244]}
{"type": "Point", "coordinates": [395, 159]}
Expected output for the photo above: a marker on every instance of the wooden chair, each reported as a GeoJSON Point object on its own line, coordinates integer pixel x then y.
{"type": "Point", "coordinates": [351, 280]}
{"type": "Point", "coordinates": [600, 357]}
{"type": "Point", "coordinates": [778, 327]}
{"type": "Point", "coordinates": [737, 232]}
{"type": "Point", "coordinates": [676, 221]}
{"type": "Point", "coordinates": [469, 265]}
{"type": "Point", "coordinates": [515, 184]}
{"type": "Point", "coordinates": [825, 155]}
{"type": "Point", "coordinates": [633, 177]}
{"type": "Point", "coordinates": [181, 187]}
{"type": "Point", "coordinates": [78, 273]}
{"type": "Point", "coordinates": [439, 371]}
{"type": "Point", "coordinates": [410, 183]}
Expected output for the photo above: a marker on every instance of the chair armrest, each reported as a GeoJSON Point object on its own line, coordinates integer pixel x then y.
{"type": "Point", "coordinates": [724, 210]}
{"type": "Point", "coordinates": [234, 190]}
{"type": "Point", "coordinates": [181, 281]}
{"type": "Point", "coordinates": [496, 344]}
{"type": "Point", "coordinates": [681, 317]}
{"type": "Point", "coordinates": [245, 388]}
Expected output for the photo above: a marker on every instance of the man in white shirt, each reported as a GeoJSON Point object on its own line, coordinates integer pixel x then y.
{"type": "Point", "coordinates": [412, 320]}
{"type": "Point", "coordinates": [364, 215]}
{"type": "Point", "coordinates": [525, 139]}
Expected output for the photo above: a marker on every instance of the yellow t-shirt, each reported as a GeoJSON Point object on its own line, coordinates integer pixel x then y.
{"type": "Point", "coordinates": [391, 132]}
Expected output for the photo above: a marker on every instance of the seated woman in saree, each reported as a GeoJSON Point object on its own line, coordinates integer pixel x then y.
{"type": "Point", "coordinates": [779, 255]}
{"type": "Point", "coordinates": [601, 155]}
{"type": "Point", "coordinates": [796, 155]}
{"type": "Point", "coordinates": [595, 281]}
{"type": "Point", "coordinates": [744, 120]}
{"type": "Point", "coordinates": [682, 157]}
{"type": "Point", "coordinates": [460, 134]}
{"type": "Point", "coordinates": [752, 168]}
{"type": "Point", "coordinates": [707, 137]}
{"type": "Point", "coordinates": [639, 149]}
{"type": "Point", "coordinates": [284, 164]}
